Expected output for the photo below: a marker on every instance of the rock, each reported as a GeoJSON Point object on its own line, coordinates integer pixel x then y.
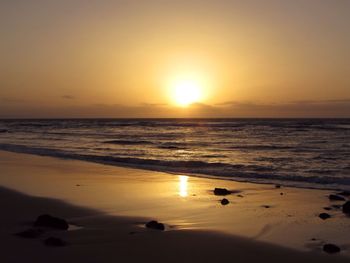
{"type": "Point", "coordinates": [281, 193]}
{"type": "Point", "coordinates": [336, 198]}
{"type": "Point", "coordinates": [346, 208]}
{"type": "Point", "coordinates": [50, 221]}
{"type": "Point", "coordinates": [30, 233]}
{"type": "Point", "coordinates": [331, 248]}
{"type": "Point", "coordinates": [221, 191]}
{"type": "Point", "coordinates": [277, 186]}
{"type": "Point", "coordinates": [266, 206]}
{"type": "Point", "coordinates": [327, 208]}
{"type": "Point", "coordinates": [324, 216]}
{"type": "Point", "coordinates": [54, 242]}
{"type": "Point", "coordinates": [155, 225]}
{"type": "Point", "coordinates": [337, 206]}
{"type": "Point", "coordinates": [225, 201]}
{"type": "Point", "coordinates": [241, 196]}
{"type": "Point", "coordinates": [344, 193]}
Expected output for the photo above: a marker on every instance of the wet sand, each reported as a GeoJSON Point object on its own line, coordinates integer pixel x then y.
{"type": "Point", "coordinates": [112, 204]}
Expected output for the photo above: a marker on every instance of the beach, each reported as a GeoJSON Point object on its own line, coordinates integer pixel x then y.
{"type": "Point", "coordinates": [174, 131]}
{"type": "Point", "coordinates": [108, 207]}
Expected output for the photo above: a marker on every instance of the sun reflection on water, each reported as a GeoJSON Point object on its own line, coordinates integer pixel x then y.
{"type": "Point", "coordinates": [183, 179]}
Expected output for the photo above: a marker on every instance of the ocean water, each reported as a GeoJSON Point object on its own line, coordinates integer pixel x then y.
{"type": "Point", "coordinates": [298, 152]}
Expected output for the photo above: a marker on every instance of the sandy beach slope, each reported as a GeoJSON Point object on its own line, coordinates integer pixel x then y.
{"type": "Point", "coordinates": [111, 204]}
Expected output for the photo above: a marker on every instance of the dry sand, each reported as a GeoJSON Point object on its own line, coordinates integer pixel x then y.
{"type": "Point", "coordinates": [112, 204]}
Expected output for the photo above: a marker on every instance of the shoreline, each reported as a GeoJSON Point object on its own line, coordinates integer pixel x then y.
{"type": "Point", "coordinates": [184, 203]}
{"type": "Point", "coordinates": [87, 158]}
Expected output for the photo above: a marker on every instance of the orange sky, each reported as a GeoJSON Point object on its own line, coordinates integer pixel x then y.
{"type": "Point", "coordinates": [119, 58]}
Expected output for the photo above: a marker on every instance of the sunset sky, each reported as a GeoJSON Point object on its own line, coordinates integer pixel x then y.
{"type": "Point", "coordinates": [80, 58]}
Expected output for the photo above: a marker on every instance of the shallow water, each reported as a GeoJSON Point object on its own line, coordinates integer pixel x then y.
{"type": "Point", "coordinates": [298, 152]}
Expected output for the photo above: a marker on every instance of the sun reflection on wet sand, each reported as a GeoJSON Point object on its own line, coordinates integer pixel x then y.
{"type": "Point", "coordinates": [183, 179]}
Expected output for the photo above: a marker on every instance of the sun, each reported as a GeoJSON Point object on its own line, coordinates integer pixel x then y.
{"type": "Point", "coordinates": [186, 92]}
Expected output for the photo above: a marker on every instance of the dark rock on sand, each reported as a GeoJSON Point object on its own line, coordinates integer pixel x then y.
{"type": "Point", "coordinates": [277, 186]}
{"type": "Point", "coordinates": [324, 216]}
{"type": "Point", "coordinates": [30, 233]}
{"type": "Point", "coordinates": [225, 201]}
{"type": "Point", "coordinates": [327, 208]}
{"type": "Point", "coordinates": [50, 221]}
{"type": "Point", "coordinates": [241, 196]}
{"type": "Point", "coordinates": [344, 193]}
{"type": "Point", "coordinates": [155, 225]}
{"type": "Point", "coordinates": [54, 242]}
{"type": "Point", "coordinates": [221, 191]}
{"type": "Point", "coordinates": [266, 206]}
{"type": "Point", "coordinates": [336, 198]}
{"type": "Point", "coordinates": [331, 248]}
{"type": "Point", "coordinates": [337, 206]}
{"type": "Point", "coordinates": [346, 208]}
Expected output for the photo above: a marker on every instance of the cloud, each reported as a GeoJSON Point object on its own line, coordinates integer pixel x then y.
{"type": "Point", "coordinates": [201, 105]}
{"type": "Point", "coordinates": [153, 104]}
{"type": "Point", "coordinates": [302, 109]}
{"type": "Point", "coordinates": [318, 102]}
{"type": "Point", "coordinates": [229, 109]}
{"type": "Point", "coordinates": [283, 104]}
{"type": "Point", "coordinates": [68, 97]}
{"type": "Point", "coordinates": [11, 100]}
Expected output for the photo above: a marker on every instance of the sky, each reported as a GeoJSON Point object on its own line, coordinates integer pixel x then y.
{"type": "Point", "coordinates": [123, 58]}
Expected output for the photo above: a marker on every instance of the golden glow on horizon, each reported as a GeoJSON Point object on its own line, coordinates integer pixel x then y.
{"type": "Point", "coordinates": [183, 179]}
{"type": "Point", "coordinates": [187, 92]}
{"type": "Point", "coordinates": [213, 60]}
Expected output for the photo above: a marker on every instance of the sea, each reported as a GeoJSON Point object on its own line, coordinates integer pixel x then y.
{"type": "Point", "coordinates": [311, 153]}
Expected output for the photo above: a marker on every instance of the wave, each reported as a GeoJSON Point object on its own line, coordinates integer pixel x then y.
{"type": "Point", "coordinates": [295, 124]}
{"type": "Point", "coordinates": [160, 145]}
{"type": "Point", "coordinates": [213, 156]}
{"type": "Point", "coordinates": [181, 145]}
{"type": "Point", "coordinates": [169, 146]}
{"type": "Point", "coordinates": [261, 147]}
{"type": "Point", "coordinates": [34, 124]}
{"type": "Point", "coordinates": [124, 142]}
{"type": "Point", "coordinates": [239, 172]}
